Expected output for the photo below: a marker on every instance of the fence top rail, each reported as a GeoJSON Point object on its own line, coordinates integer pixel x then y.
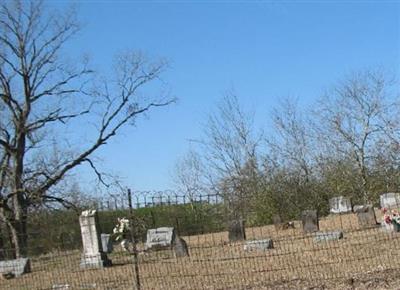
{"type": "Point", "coordinates": [142, 199]}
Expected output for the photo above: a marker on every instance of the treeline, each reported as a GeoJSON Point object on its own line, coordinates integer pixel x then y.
{"type": "Point", "coordinates": [346, 143]}
{"type": "Point", "coordinates": [59, 230]}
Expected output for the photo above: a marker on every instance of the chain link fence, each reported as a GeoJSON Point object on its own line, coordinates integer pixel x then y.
{"type": "Point", "coordinates": [346, 249]}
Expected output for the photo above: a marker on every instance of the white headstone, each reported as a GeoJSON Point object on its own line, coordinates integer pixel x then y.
{"type": "Point", "coordinates": [17, 267]}
{"type": "Point", "coordinates": [390, 200]}
{"type": "Point", "coordinates": [340, 204]}
{"type": "Point", "coordinates": [92, 256]}
{"type": "Point", "coordinates": [160, 238]}
{"type": "Point", "coordinates": [106, 243]}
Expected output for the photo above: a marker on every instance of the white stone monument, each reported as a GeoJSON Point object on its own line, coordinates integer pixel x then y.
{"type": "Point", "coordinates": [93, 255]}
{"type": "Point", "coordinates": [340, 204]}
{"type": "Point", "coordinates": [390, 200]}
{"type": "Point", "coordinates": [160, 238]}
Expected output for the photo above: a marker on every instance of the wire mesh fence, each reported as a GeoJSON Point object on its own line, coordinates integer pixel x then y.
{"type": "Point", "coordinates": [199, 244]}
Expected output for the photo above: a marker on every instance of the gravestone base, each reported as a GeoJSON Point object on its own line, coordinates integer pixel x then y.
{"type": "Point", "coordinates": [95, 261]}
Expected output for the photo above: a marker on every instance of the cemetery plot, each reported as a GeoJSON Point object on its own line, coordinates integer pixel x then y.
{"type": "Point", "coordinates": [316, 249]}
{"type": "Point", "coordinates": [214, 261]}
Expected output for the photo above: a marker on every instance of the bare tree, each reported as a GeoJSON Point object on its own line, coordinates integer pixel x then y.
{"type": "Point", "coordinates": [292, 141]}
{"type": "Point", "coordinates": [189, 176]}
{"type": "Point", "coordinates": [230, 147]}
{"type": "Point", "coordinates": [40, 93]}
{"type": "Point", "coordinates": [289, 163]}
{"type": "Point", "coordinates": [352, 126]}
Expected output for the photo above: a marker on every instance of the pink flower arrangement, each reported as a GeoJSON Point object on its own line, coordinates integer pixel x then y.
{"type": "Point", "coordinates": [391, 217]}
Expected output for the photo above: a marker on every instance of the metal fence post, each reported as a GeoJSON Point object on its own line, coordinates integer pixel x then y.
{"type": "Point", "coordinates": [134, 242]}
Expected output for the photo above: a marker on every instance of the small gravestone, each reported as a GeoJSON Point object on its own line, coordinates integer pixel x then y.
{"type": "Point", "coordinates": [166, 238]}
{"type": "Point", "coordinates": [390, 200]}
{"type": "Point", "coordinates": [260, 245]}
{"type": "Point", "coordinates": [180, 247]}
{"type": "Point", "coordinates": [106, 243]}
{"type": "Point", "coordinates": [93, 255]}
{"type": "Point", "coordinates": [340, 204]}
{"type": "Point", "coordinates": [160, 238]}
{"type": "Point", "coordinates": [366, 215]}
{"type": "Point", "coordinates": [236, 231]}
{"type": "Point", "coordinates": [15, 267]}
{"type": "Point", "coordinates": [328, 236]}
{"type": "Point", "coordinates": [277, 220]}
{"type": "Point", "coordinates": [309, 220]}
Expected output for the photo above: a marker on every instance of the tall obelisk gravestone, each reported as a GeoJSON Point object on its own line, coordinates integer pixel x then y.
{"type": "Point", "coordinates": [93, 255]}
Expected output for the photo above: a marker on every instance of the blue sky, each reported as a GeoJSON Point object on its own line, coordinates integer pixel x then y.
{"type": "Point", "coordinates": [263, 50]}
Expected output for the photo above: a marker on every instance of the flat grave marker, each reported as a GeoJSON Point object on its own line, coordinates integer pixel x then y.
{"type": "Point", "coordinates": [260, 245]}
{"type": "Point", "coordinates": [327, 236]}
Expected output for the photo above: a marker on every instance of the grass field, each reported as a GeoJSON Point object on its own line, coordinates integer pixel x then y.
{"type": "Point", "coordinates": [363, 259]}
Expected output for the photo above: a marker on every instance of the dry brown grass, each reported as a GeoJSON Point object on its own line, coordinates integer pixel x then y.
{"type": "Point", "coordinates": [365, 258]}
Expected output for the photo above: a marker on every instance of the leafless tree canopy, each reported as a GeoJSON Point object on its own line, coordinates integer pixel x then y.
{"type": "Point", "coordinates": [41, 93]}
{"type": "Point", "coordinates": [347, 143]}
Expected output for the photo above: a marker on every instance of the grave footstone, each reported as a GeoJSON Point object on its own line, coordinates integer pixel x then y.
{"type": "Point", "coordinates": [366, 215]}
{"type": "Point", "coordinates": [309, 220]}
{"type": "Point", "coordinates": [180, 248]}
{"type": "Point", "coordinates": [106, 243]}
{"type": "Point", "coordinates": [93, 255]}
{"type": "Point", "coordinates": [236, 231]}
{"type": "Point", "coordinates": [390, 200]}
{"type": "Point", "coordinates": [260, 245]}
{"type": "Point", "coordinates": [16, 267]}
{"type": "Point", "coordinates": [328, 236]}
{"type": "Point", "coordinates": [340, 204]}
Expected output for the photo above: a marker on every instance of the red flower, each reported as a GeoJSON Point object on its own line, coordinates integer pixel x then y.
{"type": "Point", "coordinates": [388, 219]}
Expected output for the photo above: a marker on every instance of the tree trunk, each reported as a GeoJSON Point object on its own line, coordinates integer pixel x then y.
{"type": "Point", "coordinates": [2, 245]}
{"type": "Point", "coordinates": [19, 237]}
{"type": "Point", "coordinates": [16, 231]}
